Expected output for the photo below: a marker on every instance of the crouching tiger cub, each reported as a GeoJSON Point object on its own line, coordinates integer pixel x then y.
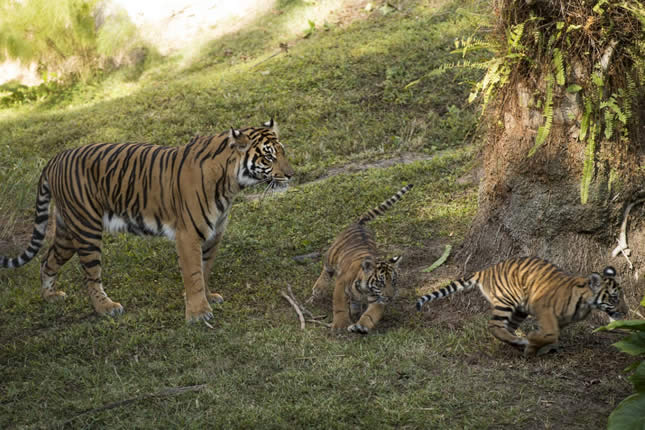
{"type": "Point", "coordinates": [519, 287]}
{"type": "Point", "coordinates": [182, 193]}
{"type": "Point", "coordinates": [361, 277]}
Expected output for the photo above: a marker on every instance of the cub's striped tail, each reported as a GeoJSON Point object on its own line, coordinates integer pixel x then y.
{"type": "Point", "coordinates": [380, 209]}
{"type": "Point", "coordinates": [454, 287]}
{"type": "Point", "coordinates": [40, 228]}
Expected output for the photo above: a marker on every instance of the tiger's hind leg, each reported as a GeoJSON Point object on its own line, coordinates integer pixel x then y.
{"type": "Point", "coordinates": [504, 322]}
{"type": "Point", "coordinates": [89, 255]}
{"type": "Point", "coordinates": [58, 254]}
{"type": "Point", "coordinates": [209, 250]}
{"type": "Point", "coordinates": [322, 283]}
{"type": "Point", "coordinates": [369, 319]}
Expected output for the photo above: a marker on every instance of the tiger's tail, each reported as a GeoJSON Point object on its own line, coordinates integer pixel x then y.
{"type": "Point", "coordinates": [387, 204]}
{"type": "Point", "coordinates": [454, 287]}
{"type": "Point", "coordinates": [40, 228]}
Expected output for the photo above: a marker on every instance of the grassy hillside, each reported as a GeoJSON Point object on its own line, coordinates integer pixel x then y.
{"type": "Point", "coordinates": [355, 135]}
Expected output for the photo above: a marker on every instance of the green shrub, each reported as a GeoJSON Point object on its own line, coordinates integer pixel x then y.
{"type": "Point", "coordinates": [630, 413]}
{"type": "Point", "coordinates": [66, 38]}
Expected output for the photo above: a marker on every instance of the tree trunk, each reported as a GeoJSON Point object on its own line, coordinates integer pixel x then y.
{"type": "Point", "coordinates": [532, 205]}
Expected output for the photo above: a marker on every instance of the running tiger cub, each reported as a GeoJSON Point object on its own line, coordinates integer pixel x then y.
{"type": "Point", "coordinates": [519, 287]}
{"type": "Point", "coordinates": [183, 193]}
{"type": "Point", "coordinates": [360, 275]}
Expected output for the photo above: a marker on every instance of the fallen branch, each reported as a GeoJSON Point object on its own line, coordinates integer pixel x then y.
{"type": "Point", "coordinates": [173, 391]}
{"type": "Point", "coordinates": [302, 259]}
{"type": "Point", "coordinates": [295, 306]}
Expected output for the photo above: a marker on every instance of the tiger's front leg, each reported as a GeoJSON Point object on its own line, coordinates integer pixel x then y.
{"type": "Point", "coordinates": [209, 250]}
{"type": "Point", "coordinates": [189, 251]}
{"type": "Point", "coordinates": [544, 340]}
{"type": "Point", "coordinates": [369, 319]}
{"type": "Point", "coordinates": [340, 304]}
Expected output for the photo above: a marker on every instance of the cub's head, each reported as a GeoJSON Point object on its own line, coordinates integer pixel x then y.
{"type": "Point", "coordinates": [264, 159]}
{"type": "Point", "coordinates": [379, 281]}
{"type": "Point", "coordinates": [607, 294]}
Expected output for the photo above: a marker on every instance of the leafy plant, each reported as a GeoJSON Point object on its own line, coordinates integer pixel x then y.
{"type": "Point", "coordinates": [629, 413]}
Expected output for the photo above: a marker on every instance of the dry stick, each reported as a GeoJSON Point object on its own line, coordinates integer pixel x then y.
{"type": "Point", "coordinates": [163, 393]}
{"type": "Point", "coordinates": [295, 306]}
{"type": "Point", "coordinates": [320, 322]}
{"type": "Point", "coordinates": [302, 308]}
{"type": "Point", "coordinates": [622, 237]}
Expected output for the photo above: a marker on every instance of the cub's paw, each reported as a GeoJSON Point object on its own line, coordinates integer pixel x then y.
{"type": "Point", "coordinates": [340, 324]}
{"type": "Point", "coordinates": [52, 296]}
{"type": "Point", "coordinates": [110, 308]}
{"type": "Point", "coordinates": [358, 328]}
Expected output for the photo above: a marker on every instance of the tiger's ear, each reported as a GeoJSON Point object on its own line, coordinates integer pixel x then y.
{"type": "Point", "coordinates": [609, 272]}
{"type": "Point", "coordinates": [394, 261]}
{"type": "Point", "coordinates": [367, 265]}
{"type": "Point", "coordinates": [272, 125]}
{"type": "Point", "coordinates": [595, 282]}
{"type": "Point", "coordinates": [238, 140]}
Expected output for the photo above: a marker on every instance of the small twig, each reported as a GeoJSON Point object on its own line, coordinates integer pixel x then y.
{"type": "Point", "coordinates": [302, 308]}
{"type": "Point", "coordinates": [320, 322]}
{"type": "Point", "coordinates": [303, 258]}
{"type": "Point", "coordinates": [295, 306]}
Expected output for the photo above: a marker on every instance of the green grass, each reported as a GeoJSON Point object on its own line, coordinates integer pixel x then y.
{"type": "Point", "coordinates": [339, 98]}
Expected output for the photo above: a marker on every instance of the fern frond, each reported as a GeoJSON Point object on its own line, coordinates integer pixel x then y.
{"type": "Point", "coordinates": [543, 130]}
{"type": "Point", "coordinates": [558, 65]}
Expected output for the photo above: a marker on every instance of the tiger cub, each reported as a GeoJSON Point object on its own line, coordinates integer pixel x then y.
{"type": "Point", "coordinates": [183, 193]}
{"type": "Point", "coordinates": [519, 287]}
{"type": "Point", "coordinates": [361, 277]}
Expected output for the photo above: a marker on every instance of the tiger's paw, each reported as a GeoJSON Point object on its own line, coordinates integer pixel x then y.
{"type": "Point", "coordinates": [215, 298]}
{"type": "Point", "coordinates": [109, 308]}
{"type": "Point", "coordinates": [204, 313]}
{"type": "Point", "coordinates": [358, 328]}
{"type": "Point", "coordinates": [52, 296]}
{"type": "Point", "coordinates": [340, 323]}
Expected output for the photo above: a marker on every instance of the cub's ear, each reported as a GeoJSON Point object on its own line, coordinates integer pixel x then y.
{"type": "Point", "coordinates": [367, 265]}
{"type": "Point", "coordinates": [272, 125]}
{"type": "Point", "coordinates": [595, 282]}
{"type": "Point", "coordinates": [609, 272]}
{"type": "Point", "coordinates": [238, 140]}
{"type": "Point", "coordinates": [395, 260]}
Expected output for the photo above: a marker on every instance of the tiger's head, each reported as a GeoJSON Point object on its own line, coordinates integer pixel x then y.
{"type": "Point", "coordinates": [379, 281]}
{"type": "Point", "coordinates": [264, 159]}
{"type": "Point", "coordinates": [607, 294]}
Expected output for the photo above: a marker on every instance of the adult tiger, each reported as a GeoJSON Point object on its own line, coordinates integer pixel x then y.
{"type": "Point", "coordinates": [519, 287]}
{"type": "Point", "coordinates": [183, 193]}
{"type": "Point", "coordinates": [361, 275]}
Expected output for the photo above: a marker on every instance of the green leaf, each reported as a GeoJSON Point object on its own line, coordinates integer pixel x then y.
{"type": "Point", "coordinates": [411, 84]}
{"type": "Point", "coordinates": [638, 378]}
{"type": "Point", "coordinates": [588, 167]}
{"type": "Point", "coordinates": [634, 344]}
{"type": "Point", "coordinates": [573, 88]}
{"type": "Point", "coordinates": [440, 260]}
{"type": "Point", "coordinates": [628, 324]}
{"type": "Point", "coordinates": [629, 414]}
